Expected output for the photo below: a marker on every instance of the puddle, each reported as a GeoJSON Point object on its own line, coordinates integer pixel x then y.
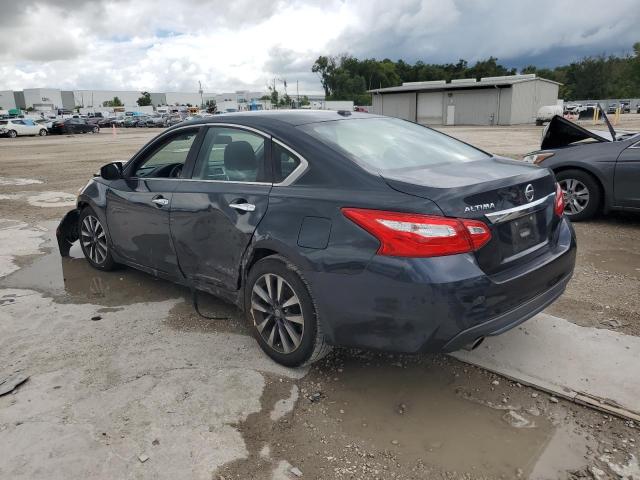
{"type": "Point", "coordinates": [44, 199]}
{"type": "Point", "coordinates": [73, 280]}
{"type": "Point", "coordinates": [374, 415]}
{"type": "Point", "coordinates": [18, 181]}
{"type": "Point", "coordinates": [17, 239]}
{"type": "Point", "coordinates": [438, 426]}
{"type": "Point", "coordinates": [620, 261]}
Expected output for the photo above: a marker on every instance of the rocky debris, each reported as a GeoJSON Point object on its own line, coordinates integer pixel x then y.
{"type": "Point", "coordinates": [296, 471]}
{"type": "Point", "coordinates": [143, 457]}
{"type": "Point", "coordinates": [553, 399]}
{"type": "Point", "coordinates": [517, 420]}
{"type": "Point", "coordinates": [9, 383]}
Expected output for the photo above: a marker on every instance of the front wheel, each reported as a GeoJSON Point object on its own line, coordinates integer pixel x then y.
{"type": "Point", "coordinates": [12, 134]}
{"type": "Point", "coordinates": [581, 192]}
{"type": "Point", "coordinates": [282, 312]}
{"type": "Point", "coordinates": [42, 132]}
{"type": "Point", "coordinates": [95, 130]}
{"type": "Point", "coordinates": [93, 240]}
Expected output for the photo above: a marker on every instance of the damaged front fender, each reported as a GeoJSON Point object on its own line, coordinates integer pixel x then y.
{"type": "Point", "coordinates": [67, 231]}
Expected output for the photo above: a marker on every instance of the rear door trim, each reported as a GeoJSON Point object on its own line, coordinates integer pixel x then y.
{"type": "Point", "coordinates": [519, 211]}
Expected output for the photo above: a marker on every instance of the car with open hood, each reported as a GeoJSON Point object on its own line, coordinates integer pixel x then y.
{"type": "Point", "coordinates": [598, 170]}
{"type": "Point", "coordinates": [334, 228]}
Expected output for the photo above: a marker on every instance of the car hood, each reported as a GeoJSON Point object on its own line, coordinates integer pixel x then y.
{"type": "Point", "coordinates": [561, 132]}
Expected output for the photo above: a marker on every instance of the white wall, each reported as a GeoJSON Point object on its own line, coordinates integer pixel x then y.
{"type": "Point", "coordinates": [7, 100]}
{"type": "Point", "coordinates": [45, 98]}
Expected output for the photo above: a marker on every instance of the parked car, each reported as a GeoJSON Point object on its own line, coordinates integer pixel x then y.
{"type": "Point", "coordinates": [334, 228]}
{"type": "Point", "coordinates": [46, 122]}
{"type": "Point", "coordinates": [598, 171]}
{"type": "Point", "coordinates": [130, 121]}
{"type": "Point", "coordinates": [612, 108]}
{"type": "Point", "coordinates": [22, 126]}
{"type": "Point", "coordinates": [107, 122]}
{"type": "Point", "coordinates": [156, 121]}
{"type": "Point", "coordinates": [74, 125]}
{"type": "Point", "coordinates": [174, 120]}
{"type": "Point", "coordinates": [625, 107]}
{"type": "Point", "coordinates": [141, 121]}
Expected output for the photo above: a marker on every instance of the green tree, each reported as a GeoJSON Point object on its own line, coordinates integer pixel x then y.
{"type": "Point", "coordinates": [304, 101]}
{"type": "Point", "coordinates": [144, 100]}
{"type": "Point", "coordinates": [116, 102]}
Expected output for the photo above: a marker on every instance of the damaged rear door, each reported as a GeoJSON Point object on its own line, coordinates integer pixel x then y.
{"type": "Point", "coordinates": [214, 214]}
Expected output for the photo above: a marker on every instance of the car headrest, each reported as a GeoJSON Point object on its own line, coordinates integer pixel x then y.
{"type": "Point", "coordinates": [239, 156]}
{"type": "Point", "coordinates": [223, 139]}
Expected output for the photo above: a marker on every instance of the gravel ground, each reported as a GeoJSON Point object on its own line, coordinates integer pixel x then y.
{"type": "Point", "coordinates": [355, 415]}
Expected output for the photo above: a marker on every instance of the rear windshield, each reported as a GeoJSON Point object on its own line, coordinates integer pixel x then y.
{"type": "Point", "coordinates": [387, 144]}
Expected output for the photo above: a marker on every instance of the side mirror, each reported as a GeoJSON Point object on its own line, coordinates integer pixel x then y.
{"type": "Point", "coordinates": [111, 171]}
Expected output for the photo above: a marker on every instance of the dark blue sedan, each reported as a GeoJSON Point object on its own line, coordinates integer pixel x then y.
{"type": "Point", "coordinates": [334, 228]}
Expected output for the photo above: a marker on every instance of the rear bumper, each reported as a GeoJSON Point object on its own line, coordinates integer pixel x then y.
{"type": "Point", "coordinates": [437, 304]}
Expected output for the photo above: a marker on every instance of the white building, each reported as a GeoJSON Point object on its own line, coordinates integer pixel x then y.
{"type": "Point", "coordinates": [7, 100]}
{"type": "Point", "coordinates": [42, 99]}
{"type": "Point", "coordinates": [507, 100]}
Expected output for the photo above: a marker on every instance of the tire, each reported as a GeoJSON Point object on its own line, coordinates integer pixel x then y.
{"type": "Point", "coordinates": [42, 132]}
{"type": "Point", "coordinates": [539, 123]}
{"type": "Point", "coordinates": [270, 312]}
{"type": "Point", "coordinates": [95, 130]}
{"type": "Point", "coordinates": [94, 241]}
{"type": "Point", "coordinates": [582, 192]}
{"type": "Point", "coordinates": [12, 134]}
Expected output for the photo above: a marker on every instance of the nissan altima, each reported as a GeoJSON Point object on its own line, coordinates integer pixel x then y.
{"type": "Point", "coordinates": [334, 228]}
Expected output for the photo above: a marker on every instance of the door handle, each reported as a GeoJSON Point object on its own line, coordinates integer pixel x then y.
{"type": "Point", "coordinates": [243, 207]}
{"type": "Point", "coordinates": [160, 201]}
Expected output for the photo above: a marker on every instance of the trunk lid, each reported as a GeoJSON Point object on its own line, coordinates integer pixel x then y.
{"type": "Point", "coordinates": [514, 199]}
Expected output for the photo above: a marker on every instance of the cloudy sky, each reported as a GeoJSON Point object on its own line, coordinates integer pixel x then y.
{"type": "Point", "coordinates": [168, 45]}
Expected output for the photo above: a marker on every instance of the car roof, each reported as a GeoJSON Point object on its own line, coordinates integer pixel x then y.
{"type": "Point", "coordinates": [290, 117]}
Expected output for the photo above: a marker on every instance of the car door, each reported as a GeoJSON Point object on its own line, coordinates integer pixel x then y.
{"type": "Point", "coordinates": [19, 126]}
{"type": "Point", "coordinates": [138, 204]}
{"type": "Point", "coordinates": [31, 128]}
{"type": "Point", "coordinates": [627, 177]}
{"type": "Point", "coordinates": [214, 215]}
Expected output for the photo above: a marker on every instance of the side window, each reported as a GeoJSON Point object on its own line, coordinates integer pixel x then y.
{"type": "Point", "coordinates": [167, 159]}
{"type": "Point", "coordinates": [231, 154]}
{"type": "Point", "coordinates": [284, 162]}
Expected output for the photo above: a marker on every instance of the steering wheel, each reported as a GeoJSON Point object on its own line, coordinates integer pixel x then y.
{"type": "Point", "coordinates": [176, 171]}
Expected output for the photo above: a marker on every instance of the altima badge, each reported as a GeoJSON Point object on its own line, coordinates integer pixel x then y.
{"type": "Point", "coordinates": [480, 208]}
{"type": "Point", "coordinates": [529, 192]}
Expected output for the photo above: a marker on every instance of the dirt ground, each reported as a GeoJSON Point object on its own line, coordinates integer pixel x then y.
{"type": "Point", "coordinates": [152, 390]}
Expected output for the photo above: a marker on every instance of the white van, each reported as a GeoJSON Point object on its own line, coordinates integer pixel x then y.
{"type": "Point", "coordinates": [547, 112]}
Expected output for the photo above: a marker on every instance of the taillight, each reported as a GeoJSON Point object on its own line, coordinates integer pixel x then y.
{"type": "Point", "coordinates": [559, 205]}
{"type": "Point", "coordinates": [415, 235]}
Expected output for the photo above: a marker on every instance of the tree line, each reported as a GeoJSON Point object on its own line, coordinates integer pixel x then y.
{"type": "Point", "coordinates": [345, 77]}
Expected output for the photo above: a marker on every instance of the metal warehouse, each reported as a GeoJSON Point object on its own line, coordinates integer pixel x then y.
{"type": "Point", "coordinates": [508, 100]}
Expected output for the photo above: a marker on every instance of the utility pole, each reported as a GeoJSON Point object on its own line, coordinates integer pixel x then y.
{"type": "Point", "coordinates": [298, 93]}
{"type": "Point", "coordinates": [200, 92]}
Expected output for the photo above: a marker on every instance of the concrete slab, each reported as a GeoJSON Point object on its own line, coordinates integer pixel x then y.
{"type": "Point", "coordinates": [592, 366]}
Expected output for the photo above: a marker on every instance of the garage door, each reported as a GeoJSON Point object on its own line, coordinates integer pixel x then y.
{"type": "Point", "coordinates": [430, 108]}
{"type": "Point", "coordinates": [475, 107]}
{"type": "Point", "coordinates": [400, 105]}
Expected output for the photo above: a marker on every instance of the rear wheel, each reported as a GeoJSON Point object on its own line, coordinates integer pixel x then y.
{"type": "Point", "coordinates": [282, 312]}
{"type": "Point", "coordinates": [581, 192]}
{"type": "Point", "coordinates": [95, 130]}
{"type": "Point", "coordinates": [93, 240]}
{"type": "Point", "coordinates": [12, 134]}
{"type": "Point", "coordinates": [42, 132]}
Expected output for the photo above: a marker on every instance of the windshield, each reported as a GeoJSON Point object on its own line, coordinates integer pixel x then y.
{"type": "Point", "coordinates": [387, 144]}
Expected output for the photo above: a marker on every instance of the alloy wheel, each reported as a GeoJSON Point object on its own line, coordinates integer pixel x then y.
{"type": "Point", "coordinates": [576, 195]}
{"type": "Point", "coordinates": [277, 313]}
{"type": "Point", "coordinates": [94, 240]}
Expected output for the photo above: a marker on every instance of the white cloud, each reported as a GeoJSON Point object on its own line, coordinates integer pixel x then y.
{"type": "Point", "coordinates": [164, 45]}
